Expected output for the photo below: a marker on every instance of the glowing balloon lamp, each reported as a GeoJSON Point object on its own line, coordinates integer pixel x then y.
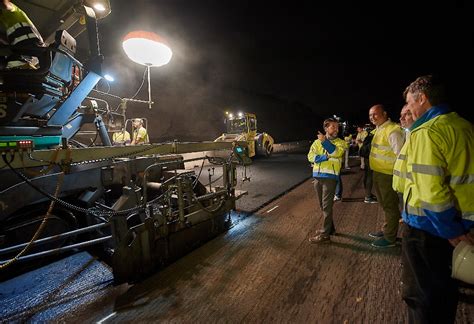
{"type": "Point", "coordinates": [148, 49]}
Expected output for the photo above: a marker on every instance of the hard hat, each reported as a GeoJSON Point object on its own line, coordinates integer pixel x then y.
{"type": "Point", "coordinates": [463, 262]}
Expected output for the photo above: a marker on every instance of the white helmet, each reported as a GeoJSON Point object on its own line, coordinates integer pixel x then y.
{"type": "Point", "coordinates": [463, 262]}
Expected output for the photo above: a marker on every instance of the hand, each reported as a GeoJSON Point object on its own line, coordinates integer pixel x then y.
{"type": "Point", "coordinates": [465, 237]}
{"type": "Point", "coordinates": [321, 136]}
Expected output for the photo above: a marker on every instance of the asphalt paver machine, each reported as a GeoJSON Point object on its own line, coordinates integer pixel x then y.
{"type": "Point", "coordinates": [137, 203]}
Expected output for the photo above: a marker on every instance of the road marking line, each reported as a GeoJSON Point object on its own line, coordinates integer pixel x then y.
{"type": "Point", "coordinates": [272, 209]}
{"type": "Point", "coordinates": [106, 318]}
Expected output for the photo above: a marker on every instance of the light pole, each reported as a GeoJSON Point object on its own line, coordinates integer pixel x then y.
{"type": "Point", "coordinates": [149, 49]}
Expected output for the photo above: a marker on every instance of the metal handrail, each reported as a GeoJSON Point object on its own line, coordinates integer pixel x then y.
{"type": "Point", "coordinates": [54, 238]}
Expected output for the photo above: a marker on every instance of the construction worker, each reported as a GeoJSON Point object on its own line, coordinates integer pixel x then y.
{"type": "Point", "coordinates": [406, 120]}
{"type": "Point", "coordinates": [386, 144]}
{"type": "Point", "coordinates": [364, 152]}
{"type": "Point", "coordinates": [18, 30]}
{"type": "Point", "coordinates": [399, 168]}
{"type": "Point", "coordinates": [438, 199]}
{"type": "Point", "coordinates": [121, 138]}
{"type": "Point", "coordinates": [348, 140]}
{"type": "Point", "coordinates": [140, 135]}
{"type": "Point", "coordinates": [361, 135]}
{"type": "Point", "coordinates": [325, 155]}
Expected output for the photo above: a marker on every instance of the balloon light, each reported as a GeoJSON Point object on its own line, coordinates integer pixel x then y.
{"type": "Point", "coordinates": [146, 48]}
{"type": "Point", "coordinates": [149, 49]}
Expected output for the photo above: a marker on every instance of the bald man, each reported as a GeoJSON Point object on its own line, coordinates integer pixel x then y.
{"type": "Point", "coordinates": [386, 145]}
{"type": "Point", "coordinates": [406, 118]}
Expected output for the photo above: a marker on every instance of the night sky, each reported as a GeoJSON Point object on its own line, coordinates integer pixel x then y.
{"type": "Point", "coordinates": [293, 63]}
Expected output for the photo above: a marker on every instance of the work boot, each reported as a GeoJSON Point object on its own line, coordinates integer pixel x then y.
{"type": "Point", "coordinates": [333, 232]}
{"type": "Point", "coordinates": [382, 243]}
{"type": "Point", "coordinates": [378, 234]}
{"type": "Point", "coordinates": [370, 200]}
{"type": "Point", "coordinates": [320, 238]}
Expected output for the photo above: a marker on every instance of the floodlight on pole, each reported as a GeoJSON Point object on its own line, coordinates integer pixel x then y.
{"type": "Point", "coordinates": [149, 49]}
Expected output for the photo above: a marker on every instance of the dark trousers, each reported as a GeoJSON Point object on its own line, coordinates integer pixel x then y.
{"type": "Point", "coordinates": [325, 189]}
{"type": "Point", "coordinates": [339, 187]}
{"type": "Point", "coordinates": [428, 289]}
{"type": "Point", "coordinates": [368, 182]}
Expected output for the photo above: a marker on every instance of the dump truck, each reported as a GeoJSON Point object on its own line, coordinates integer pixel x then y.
{"type": "Point", "coordinates": [243, 127]}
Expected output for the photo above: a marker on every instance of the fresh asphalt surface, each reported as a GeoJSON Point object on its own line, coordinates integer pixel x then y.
{"type": "Point", "coordinates": [264, 180]}
{"type": "Point", "coordinates": [50, 292]}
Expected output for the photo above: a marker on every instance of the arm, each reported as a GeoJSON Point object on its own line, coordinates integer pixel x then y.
{"type": "Point", "coordinates": [312, 152]}
{"type": "Point", "coordinates": [139, 136]}
{"type": "Point", "coordinates": [396, 140]}
{"type": "Point", "coordinates": [335, 149]}
{"type": "Point", "coordinates": [315, 154]}
{"type": "Point", "coordinates": [429, 168]}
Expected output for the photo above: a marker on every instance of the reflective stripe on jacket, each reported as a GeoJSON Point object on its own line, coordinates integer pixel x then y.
{"type": "Point", "coordinates": [439, 157]}
{"type": "Point", "coordinates": [18, 26]}
{"type": "Point", "coordinates": [332, 167]}
{"type": "Point", "coordinates": [382, 157]}
{"type": "Point", "coordinates": [400, 172]}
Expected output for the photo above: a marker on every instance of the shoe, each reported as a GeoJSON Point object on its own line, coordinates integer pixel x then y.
{"type": "Point", "coordinates": [319, 232]}
{"type": "Point", "coordinates": [376, 234]}
{"type": "Point", "coordinates": [382, 243]}
{"type": "Point", "coordinates": [321, 238]}
{"type": "Point", "coordinates": [370, 200]}
{"type": "Point", "coordinates": [337, 198]}
{"type": "Point", "coordinates": [348, 168]}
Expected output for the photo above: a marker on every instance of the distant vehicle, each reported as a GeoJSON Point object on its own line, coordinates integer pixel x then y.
{"type": "Point", "coordinates": [243, 127]}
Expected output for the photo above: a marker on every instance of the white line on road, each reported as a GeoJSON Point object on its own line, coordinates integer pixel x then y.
{"type": "Point", "coordinates": [106, 318]}
{"type": "Point", "coordinates": [272, 209]}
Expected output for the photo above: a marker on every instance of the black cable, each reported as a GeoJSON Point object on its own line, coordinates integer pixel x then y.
{"type": "Point", "coordinates": [11, 160]}
{"type": "Point", "coordinates": [95, 139]}
{"type": "Point", "coordinates": [200, 171]}
{"type": "Point", "coordinates": [141, 85]}
{"type": "Point", "coordinates": [67, 205]}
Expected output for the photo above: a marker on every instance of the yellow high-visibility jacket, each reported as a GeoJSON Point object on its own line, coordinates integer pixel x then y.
{"type": "Point", "coordinates": [361, 137]}
{"type": "Point", "coordinates": [382, 158]}
{"type": "Point", "coordinates": [326, 157]}
{"type": "Point", "coordinates": [121, 138]}
{"type": "Point", "coordinates": [18, 26]}
{"type": "Point", "coordinates": [140, 136]}
{"type": "Point", "coordinates": [438, 193]}
{"type": "Point", "coordinates": [400, 170]}
{"type": "Point", "coordinates": [348, 139]}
